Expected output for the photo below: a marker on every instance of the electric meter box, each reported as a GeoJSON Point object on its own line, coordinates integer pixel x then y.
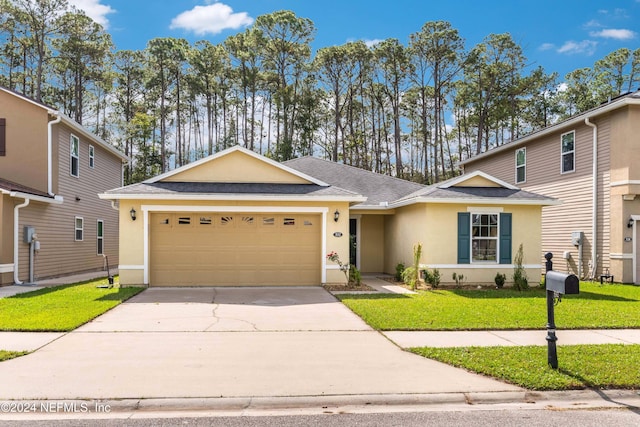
{"type": "Point", "coordinates": [27, 235]}
{"type": "Point", "coordinates": [576, 238]}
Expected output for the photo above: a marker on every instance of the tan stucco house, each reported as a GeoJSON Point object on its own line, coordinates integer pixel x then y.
{"type": "Point", "coordinates": [52, 222]}
{"type": "Point", "coordinates": [587, 163]}
{"type": "Point", "coordinates": [237, 218]}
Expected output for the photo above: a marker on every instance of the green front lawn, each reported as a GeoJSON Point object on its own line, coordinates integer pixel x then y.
{"type": "Point", "coordinates": [597, 306]}
{"type": "Point", "coordinates": [6, 355]}
{"type": "Point", "coordinates": [579, 366]}
{"type": "Point", "coordinates": [60, 308]}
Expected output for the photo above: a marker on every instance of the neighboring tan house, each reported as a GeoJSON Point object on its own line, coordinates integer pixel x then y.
{"type": "Point", "coordinates": [237, 218]}
{"type": "Point", "coordinates": [52, 222]}
{"type": "Point", "coordinates": [587, 163]}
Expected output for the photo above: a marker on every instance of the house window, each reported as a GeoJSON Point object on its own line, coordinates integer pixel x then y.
{"type": "Point", "coordinates": [75, 156]}
{"type": "Point", "coordinates": [568, 160]}
{"type": "Point", "coordinates": [521, 165]}
{"type": "Point", "coordinates": [79, 229]}
{"type": "Point", "coordinates": [92, 160]}
{"type": "Point", "coordinates": [484, 237]}
{"type": "Point", "coordinates": [100, 237]}
{"type": "Point", "coordinates": [3, 137]}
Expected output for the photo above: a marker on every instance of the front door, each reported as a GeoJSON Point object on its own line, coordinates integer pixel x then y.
{"type": "Point", "coordinates": [353, 242]}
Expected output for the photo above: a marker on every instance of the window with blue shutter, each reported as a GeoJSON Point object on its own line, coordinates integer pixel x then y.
{"type": "Point", "coordinates": [484, 238]}
{"type": "Point", "coordinates": [464, 238]}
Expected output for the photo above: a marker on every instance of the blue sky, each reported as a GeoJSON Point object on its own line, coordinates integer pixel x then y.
{"type": "Point", "coordinates": [559, 35]}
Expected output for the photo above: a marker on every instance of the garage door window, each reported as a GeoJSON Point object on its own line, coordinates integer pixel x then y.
{"type": "Point", "coordinates": [268, 221]}
{"type": "Point", "coordinates": [289, 221]}
{"type": "Point", "coordinates": [226, 221]}
{"type": "Point", "coordinates": [184, 220]}
{"type": "Point", "coordinates": [206, 220]}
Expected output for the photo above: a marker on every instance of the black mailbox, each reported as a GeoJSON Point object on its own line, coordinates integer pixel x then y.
{"type": "Point", "coordinates": [562, 283]}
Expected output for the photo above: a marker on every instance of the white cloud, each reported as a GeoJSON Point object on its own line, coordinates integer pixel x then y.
{"type": "Point", "coordinates": [612, 33]}
{"type": "Point", "coordinates": [547, 46]}
{"type": "Point", "coordinates": [373, 42]}
{"type": "Point", "coordinates": [94, 10]}
{"type": "Point", "coordinates": [210, 19]}
{"type": "Point", "coordinates": [571, 47]}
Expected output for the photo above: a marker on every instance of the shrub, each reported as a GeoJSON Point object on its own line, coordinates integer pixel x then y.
{"type": "Point", "coordinates": [399, 271]}
{"type": "Point", "coordinates": [411, 275]}
{"type": "Point", "coordinates": [458, 278]}
{"type": "Point", "coordinates": [355, 278]}
{"type": "Point", "coordinates": [520, 281]}
{"type": "Point", "coordinates": [500, 279]}
{"type": "Point", "coordinates": [433, 278]}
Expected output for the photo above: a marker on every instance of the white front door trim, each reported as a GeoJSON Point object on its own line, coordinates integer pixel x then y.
{"type": "Point", "coordinates": [147, 209]}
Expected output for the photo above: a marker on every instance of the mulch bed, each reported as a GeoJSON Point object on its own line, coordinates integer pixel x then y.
{"type": "Point", "coordinates": [348, 288]}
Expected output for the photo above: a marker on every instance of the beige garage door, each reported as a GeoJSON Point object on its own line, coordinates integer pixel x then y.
{"type": "Point", "coordinates": [234, 249]}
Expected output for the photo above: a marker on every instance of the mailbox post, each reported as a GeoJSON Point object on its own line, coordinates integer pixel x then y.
{"type": "Point", "coordinates": [556, 284]}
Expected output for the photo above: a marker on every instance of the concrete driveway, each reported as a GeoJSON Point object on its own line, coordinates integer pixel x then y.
{"type": "Point", "coordinates": [229, 342]}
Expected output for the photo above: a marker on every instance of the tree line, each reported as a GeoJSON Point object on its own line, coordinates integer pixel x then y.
{"type": "Point", "coordinates": [410, 110]}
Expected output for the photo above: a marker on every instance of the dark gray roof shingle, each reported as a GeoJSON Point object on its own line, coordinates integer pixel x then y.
{"type": "Point", "coordinates": [174, 188]}
{"type": "Point", "coordinates": [376, 187]}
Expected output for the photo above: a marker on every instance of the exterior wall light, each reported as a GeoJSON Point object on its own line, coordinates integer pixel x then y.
{"type": "Point", "coordinates": [336, 215]}
{"type": "Point", "coordinates": [132, 212]}
{"type": "Point", "coordinates": [630, 223]}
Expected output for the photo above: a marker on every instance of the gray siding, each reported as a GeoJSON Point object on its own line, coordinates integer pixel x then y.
{"type": "Point", "coordinates": [60, 254]}
{"type": "Point", "coordinates": [573, 189]}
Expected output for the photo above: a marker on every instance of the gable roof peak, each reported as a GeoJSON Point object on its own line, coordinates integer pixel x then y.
{"type": "Point", "coordinates": [234, 149]}
{"type": "Point", "coordinates": [466, 177]}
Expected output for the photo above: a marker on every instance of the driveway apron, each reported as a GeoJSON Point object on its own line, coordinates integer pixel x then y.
{"type": "Point", "coordinates": [229, 342]}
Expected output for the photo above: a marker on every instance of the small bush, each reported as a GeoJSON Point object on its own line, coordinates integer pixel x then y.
{"type": "Point", "coordinates": [520, 281]}
{"type": "Point", "coordinates": [432, 278]}
{"type": "Point", "coordinates": [458, 278]}
{"type": "Point", "coordinates": [411, 275]}
{"type": "Point", "coordinates": [500, 279]}
{"type": "Point", "coordinates": [399, 271]}
{"type": "Point", "coordinates": [355, 277]}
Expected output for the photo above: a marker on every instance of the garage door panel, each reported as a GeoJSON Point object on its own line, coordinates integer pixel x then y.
{"type": "Point", "coordinates": [235, 249]}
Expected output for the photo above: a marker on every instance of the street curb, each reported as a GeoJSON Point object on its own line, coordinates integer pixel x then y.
{"type": "Point", "coordinates": [287, 405]}
{"type": "Point", "coordinates": [558, 399]}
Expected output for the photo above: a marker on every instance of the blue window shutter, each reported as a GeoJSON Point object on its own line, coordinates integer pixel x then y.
{"type": "Point", "coordinates": [505, 238]}
{"type": "Point", "coordinates": [464, 238]}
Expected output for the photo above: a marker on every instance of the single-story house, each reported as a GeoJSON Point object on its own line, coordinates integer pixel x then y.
{"type": "Point", "coordinates": [237, 218]}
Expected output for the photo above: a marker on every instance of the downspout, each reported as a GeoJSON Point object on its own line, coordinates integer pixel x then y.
{"type": "Point", "coordinates": [16, 229]}
{"type": "Point", "coordinates": [50, 151]}
{"type": "Point", "coordinates": [594, 213]}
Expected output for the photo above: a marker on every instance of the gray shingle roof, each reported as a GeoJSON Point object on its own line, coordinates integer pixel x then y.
{"type": "Point", "coordinates": [13, 186]}
{"type": "Point", "coordinates": [376, 187]}
{"type": "Point", "coordinates": [213, 188]}
{"type": "Point", "coordinates": [501, 193]}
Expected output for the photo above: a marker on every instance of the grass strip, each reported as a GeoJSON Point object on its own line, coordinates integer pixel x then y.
{"type": "Point", "coordinates": [603, 366]}
{"type": "Point", "coordinates": [6, 355]}
{"type": "Point", "coordinates": [597, 306]}
{"type": "Point", "coordinates": [60, 308]}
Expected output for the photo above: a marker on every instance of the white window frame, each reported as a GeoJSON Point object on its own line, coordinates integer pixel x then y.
{"type": "Point", "coordinates": [92, 157]}
{"type": "Point", "coordinates": [99, 237]}
{"type": "Point", "coordinates": [74, 140]}
{"type": "Point", "coordinates": [523, 166]}
{"type": "Point", "coordinates": [80, 229]}
{"type": "Point", "coordinates": [496, 238]}
{"type": "Point", "coordinates": [562, 153]}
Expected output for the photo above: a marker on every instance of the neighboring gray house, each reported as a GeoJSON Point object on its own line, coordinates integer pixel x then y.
{"type": "Point", "coordinates": [52, 222]}
{"type": "Point", "coordinates": [590, 163]}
